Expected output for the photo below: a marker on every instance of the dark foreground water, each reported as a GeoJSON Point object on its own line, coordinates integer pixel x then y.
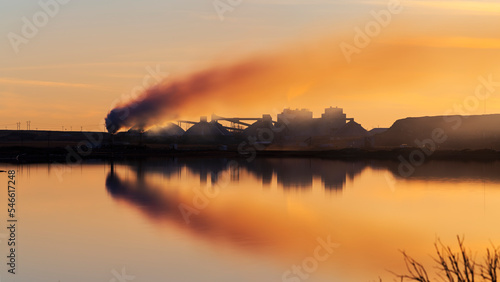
{"type": "Point", "coordinates": [226, 220]}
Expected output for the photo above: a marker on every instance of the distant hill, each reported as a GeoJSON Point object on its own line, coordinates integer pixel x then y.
{"type": "Point", "coordinates": [460, 132]}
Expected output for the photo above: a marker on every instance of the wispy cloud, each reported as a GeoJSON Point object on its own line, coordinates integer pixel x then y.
{"type": "Point", "coordinates": [468, 7]}
{"type": "Point", "coordinates": [449, 42]}
{"type": "Point", "coordinates": [6, 80]}
{"type": "Point", "coordinates": [96, 64]}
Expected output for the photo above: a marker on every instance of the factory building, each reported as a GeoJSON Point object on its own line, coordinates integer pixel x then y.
{"type": "Point", "coordinates": [289, 116]}
{"type": "Point", "coordinates": [300, 123]}
{"type": "Point", "coordinates": [334, 118]}
{"type": "Point", "coordinates": [293, 126]}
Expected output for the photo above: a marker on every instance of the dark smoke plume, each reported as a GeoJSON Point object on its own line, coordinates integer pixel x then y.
{"type": "Point", "coordinates": [166, 100]}
{"type": "Point", "coordinates": [317, 75]}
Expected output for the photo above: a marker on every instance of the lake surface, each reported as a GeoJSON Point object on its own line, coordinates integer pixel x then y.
{"type": "Point", "coordinates": [190, 219]}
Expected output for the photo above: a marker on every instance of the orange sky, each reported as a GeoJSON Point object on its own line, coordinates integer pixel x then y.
{"type": "Point", "coordinates": [424, 62]}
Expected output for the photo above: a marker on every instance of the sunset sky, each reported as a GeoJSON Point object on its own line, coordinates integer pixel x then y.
{"type": "Point", "coordinates": [70, 73]}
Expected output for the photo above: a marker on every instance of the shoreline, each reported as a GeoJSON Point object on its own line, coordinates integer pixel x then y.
{"type": "Point", "coordinates": [70, 155]}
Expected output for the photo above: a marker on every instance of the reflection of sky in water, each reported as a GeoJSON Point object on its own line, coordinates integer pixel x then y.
{"type": "Point", "coordinates": [266, 217]}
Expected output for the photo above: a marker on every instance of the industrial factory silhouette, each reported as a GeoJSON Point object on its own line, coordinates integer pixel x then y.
{"type": "Point", "coordinates": [292, 127]}
{"type": "Point", "coordinates": [293, 130]}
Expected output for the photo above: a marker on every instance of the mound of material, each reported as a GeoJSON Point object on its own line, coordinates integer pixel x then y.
{"type": "Point", "coordinates": [448, 132]}
{"type": "Point", "coordinates": [170, 130]}
{"type": "Point", "coordinates": [206, 132]}
{"type": "Point", "coordinates": [258, 127]}
{"type": "Point", "coordinates": [350, 130]}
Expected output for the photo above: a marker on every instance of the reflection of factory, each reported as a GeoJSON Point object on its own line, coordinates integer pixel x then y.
{"type": "Point", "coordinates": [289, 173]}
{"type": "Point", "coordinates": [292, 127]}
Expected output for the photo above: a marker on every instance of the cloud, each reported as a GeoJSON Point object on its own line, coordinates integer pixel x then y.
{"type": "Point", "coordinates": [6, 80]}
{"type": "Point", "coordinates": [467, 7]}
{"type": "Point", "coordinates": [449, 42]}
{"type": "Point", "coordinates": [76, 65]}
{"type": "Point", "coordinates": [475, 7]}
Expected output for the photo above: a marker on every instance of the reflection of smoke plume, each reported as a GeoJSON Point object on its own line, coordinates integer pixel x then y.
{"type": "Point", "coordinates": [134, 192]}
{"type": "Point", "coordinates": [243, 221]}
{"type": "Point", "coordinates": [270, 225]}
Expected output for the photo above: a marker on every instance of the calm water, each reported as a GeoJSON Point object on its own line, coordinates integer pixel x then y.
{"type": "Point", "coordinates": [225, 220]}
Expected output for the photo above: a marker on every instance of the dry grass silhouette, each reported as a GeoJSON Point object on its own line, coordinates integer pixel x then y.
{"type": "Point", "coordinates": [454, 265]}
